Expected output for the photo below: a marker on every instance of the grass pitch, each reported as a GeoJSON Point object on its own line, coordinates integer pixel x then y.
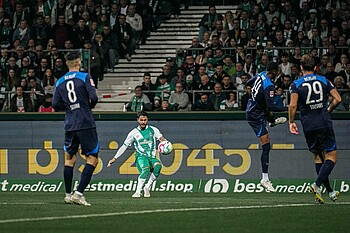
{"type": "Point", "coordinates": [173, 212]}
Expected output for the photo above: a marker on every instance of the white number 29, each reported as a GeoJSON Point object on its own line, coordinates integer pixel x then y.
{"type": "Point", "coordinates": [72, 96]}
{"type": "Point", "coordinates": [315, 89]}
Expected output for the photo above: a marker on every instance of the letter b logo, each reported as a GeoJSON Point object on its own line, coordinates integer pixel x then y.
{"type": "Point", "coordinates": [216, 186]}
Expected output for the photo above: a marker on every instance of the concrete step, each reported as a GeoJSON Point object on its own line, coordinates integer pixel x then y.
{"type": "Point", "coordinates": [170, 42]}
{"type": "Point", "coordinates": [158, 59]}
{"type": "Point", "coordinates": [139, 65]}
{"type": "Point", "coordinates": [179, 29]}
{"type": "Point", "coordinates": [218, 8]}
{"type": "Point", "coordinates": [160, 47]}
{"type": "Point", "coordinates": [169, 37]}
{"type": "Point", "coordinates": [166, 33]}
{"type": "Point", "coordinates": [147, 50]}
{"type": "Point", "coordinates": [152, 56]}
{"type": "Point", "coordinates": [166, 24]}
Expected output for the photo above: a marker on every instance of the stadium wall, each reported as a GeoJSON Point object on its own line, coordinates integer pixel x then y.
{"type": "Point", "coordinates": [212, 153]}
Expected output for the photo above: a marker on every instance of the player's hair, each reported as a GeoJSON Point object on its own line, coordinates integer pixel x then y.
{"type": "Point", "coordinates": [307, 62]}
{"type": "Point", "coordinates": [73, 59]}
{"type": "Point", "coordinates": [272, 66]}
{"type": "Point", "coordinates": [142, 113]}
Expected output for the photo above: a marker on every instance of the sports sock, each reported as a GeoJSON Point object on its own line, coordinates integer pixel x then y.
{"type": "Point", "coordinates": [325, 170]}
{"type": "Point", "coordinates": [151, 179]}
{"type": "Point", "coordinates": [326, 182]}
{"type": "Point", "coordinates": [265, 176]}
{"type": "Point", "coordinates": [85, 177]}
{"type": "Point", "coordinates": [68, 178]}
{"type": "Point", "coordinates": [265, 157]}
{"type": "Point", "coordinates": [140, 182]}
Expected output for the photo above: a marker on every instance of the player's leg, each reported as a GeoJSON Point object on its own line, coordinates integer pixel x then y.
{"type": "Point", "coordinates": [144, 169]}
{"type": "Point", "coordinates": [260, 129]}
{"type": "Point", "coordinates": [71, 147]}
{"type": "Point", "coordinates": [90, 147]}
{"type": "Point", "coordinates": [319, 159]}
{"type": "Point", "coordinates": [274, 121]}
{"type": "Point", "coordinates": [156, 168]}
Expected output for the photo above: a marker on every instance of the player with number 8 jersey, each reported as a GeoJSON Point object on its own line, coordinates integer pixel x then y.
{"type": "Point", "coordinates": [75, 93]}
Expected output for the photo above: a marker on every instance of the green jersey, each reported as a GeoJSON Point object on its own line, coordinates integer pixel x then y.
{"type": "Point", "coordinates": [145, 141]}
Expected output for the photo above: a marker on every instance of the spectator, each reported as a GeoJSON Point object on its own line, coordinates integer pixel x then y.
{"type": "Point", "coordinates": [218, 29]}
{"type": "Point", "coordinates": [201, 59]}
{"type": "Point", "coordinates": [245, 97]}
{"type": "Point", "coordinates": [203, 104]}
{"type": "Point", "coordinates": [60, 68]}
{"type": "Point", "coordinates": [3, 94]}
{"type": "Point", "coordinates": [341, 66]}
{"type": "Point", "coordinates": [61, 32]}
{"type": "Point", "coordinates": [81, 34]}
{"type": "Point", "coordinates": [340, 85]}
{"type": "Point", "coordinates": [243, 81]}
{"type": "Point", "coordinates": [40, 31]}
{"type": "Point", "coordinates": [249, 66]}
{"type": "Point", "coordinates": [296, 57]}
{"type": "Point", "coordinates": [49, 81]}
{"type": "Point", "coordinates": [229, 67]}
{"type": "Point", "coordinates": [47, 104]}
{"type": "Point", "coordinates": [190, 66]}
{"type": "Point", "coordinates": [285, 65]}
{"type": "Point", "coordinates": [164, 90]}
{"type": "Point", "coordinates": [206, 84]}
{"type": "Point", "coordinates": [218, 76]}
{"type": "Point", "coordinates": [101, 48]}
{"type": "Point", "coordinates": [125, 36]}
{"type": "Point", "coordinates": [346, 73]}
{"type": "Point", "coordinates": [217, 96]}
{"type": "Point", "coordinates": [196, 49]}
{"type": "Point", "coordinates": [271, 13]}
{"type": "Point", "coordinates": [180, 77]}
{"type": "Point", "coordinates": [331, 74]}
{"type": "Point", "coordinates": [227, 85]}
{"type": "Point", "coordinates": [60, 9]}
{"type": "Point", "coordinates": [207, 23]}
{"type": "Point", "coordinates": [263, 63]}
{"type": "Point", "coordinates": [230, 103]}
{"type": "Point", "coordinates": [228, 21]}
{"type": "Point", "coordinates": [135, 21]}
{"type": "Point", "coordinates": [95, 63]}
{"type": "Point", "coordinates": [206, 40]}
{"type": "Point", "coordinates": [179, 100]}
{"type": "Point", "coordinates": [6, 34]}
{"type": "Point", "coordinates": [148, 87]}
{"type": "Point", "coordinates": [113, 47]}
{"type": "Point", "coordinates": [164, 107]}
{"type": "Point", "coordinates": [138, 102]}
{"type": "Point", "coordinates": [20, 102]}
{"type": "Point", "coordinates": [36, 93]}
{"type": "Point", "coordinates": [166, 72]}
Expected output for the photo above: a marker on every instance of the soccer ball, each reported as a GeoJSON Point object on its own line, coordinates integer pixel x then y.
{"type": "Point", "coordinates": [165, 147]}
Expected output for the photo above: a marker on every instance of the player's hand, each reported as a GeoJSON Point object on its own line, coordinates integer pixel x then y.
{"type": "Point", "coordinates": [111, 162]}
{"type": "Point", "coordinates": [293, 128]}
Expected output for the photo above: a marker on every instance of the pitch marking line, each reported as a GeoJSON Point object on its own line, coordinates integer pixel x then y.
{"type": "Point", "coordinates": [156, 211]}
{"type": "Point", "coordinates": [22, 203]}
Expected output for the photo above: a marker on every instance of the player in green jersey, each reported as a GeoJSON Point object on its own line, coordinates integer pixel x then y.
{"type": "Point", "coordinates": [144, 139]}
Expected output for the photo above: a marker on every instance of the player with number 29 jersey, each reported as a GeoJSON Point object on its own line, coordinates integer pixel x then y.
{"type": "Point", "coordinates": [75, 93]}
{"type": "Point", "coordinates": [313, 91]}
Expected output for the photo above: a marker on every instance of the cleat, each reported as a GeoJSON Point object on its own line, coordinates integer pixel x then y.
{"type": "Point", "coordinates": [68, 198]}
{"type": "Point", "coordinates": [268, 185]}
{"type": "Point", "coordinates": [317, 191]}
{"type": "Point", "coordinates": [334, 195]}
{"type": "Point", "coordinates": [80, 200]}
{"type": "Point", "coordinates": [278, 121]}
{"type": "Point", "coordinates": [136, 195]}
{"type": "Point", "coordinates": [146, 192]}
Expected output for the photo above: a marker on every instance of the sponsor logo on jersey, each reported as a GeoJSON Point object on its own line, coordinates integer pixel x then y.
{"type": "Point", "coordinates": [272, 94]}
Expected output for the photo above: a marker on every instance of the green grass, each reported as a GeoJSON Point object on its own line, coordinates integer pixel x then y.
{"type": "Point", "coordinates": [118, 212]}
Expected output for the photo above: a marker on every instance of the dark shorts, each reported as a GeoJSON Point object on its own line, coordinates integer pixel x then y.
{"type": "Point", "coordinates": [259, 127]}
{"type": "Point", "coordinates": [321, 140]}
{"type": "Point", "coordinates": [87, 139]}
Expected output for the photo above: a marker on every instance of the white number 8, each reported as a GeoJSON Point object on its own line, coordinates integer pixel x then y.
{"type": "Point", "coordinates": [71, 93]}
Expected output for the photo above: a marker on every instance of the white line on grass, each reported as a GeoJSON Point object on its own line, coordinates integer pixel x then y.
{"type": "Point", "coordinates": [22, 203]}
{"type": "Point", "coordinates": [157, 211]}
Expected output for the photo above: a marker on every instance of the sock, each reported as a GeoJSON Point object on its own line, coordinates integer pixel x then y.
{"type": "Point", "coordinates": [140, 182]}
{"type": "Point", "coordinates": [325, 170]}
{"type": "Point", "coordinates": [68, 178]}
{"type": "Point", "coordinates": [265, 176]}
{"type": "Point", "coordinates": [85, 177]}
{"type": "Point", "coordinates": [151, 179]}
{"type": "Point", "coordinates": [326, 182]}
{"type": "Point", "coordinates": [265, 157]}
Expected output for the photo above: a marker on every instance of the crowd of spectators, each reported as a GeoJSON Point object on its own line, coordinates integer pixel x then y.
{"type": "Point", "coordinates": [36, 34]}
{"type": "Point", "coordinates": [233, 47]}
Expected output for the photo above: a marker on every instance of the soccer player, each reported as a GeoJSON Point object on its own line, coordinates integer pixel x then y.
{"type": "Point", "coordinates": [311, 93]}
{"type": "Point", "coordinates": [75, 93]}
{"type": "Point", "coordinates": [260, 110]}
{"type": "Point", "coordinates": [144, 139]}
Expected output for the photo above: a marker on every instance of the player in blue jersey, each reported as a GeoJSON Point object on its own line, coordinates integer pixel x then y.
{"type": "Point", "coordinates": [144, 139]}
{"type": "Point", "coordinates": [260, 110]}
{"type": "Point", "coordinates": [311, 93]}
{"type": "Point", "coordinates": [75, 93]}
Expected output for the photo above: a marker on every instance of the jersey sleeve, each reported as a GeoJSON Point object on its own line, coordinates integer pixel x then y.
{"type": "Point", "coordinates": [157, 133]}
{"type": "Point", "coordinates": [269, 94]}
{"type": "Point", "coordinates": [330, 86]}
{"type": "Point", "coordinates": [90, 87]}
{"type": "Point", "coordinates": [129, 139]}
{"type": "Point", "coordinates": [293, 88]}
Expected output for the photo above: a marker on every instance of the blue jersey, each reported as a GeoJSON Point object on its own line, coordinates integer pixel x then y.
{"type": "Point", "coordinates": [262, 97]}
{"type": "Point", "coordinates": [313, 91]}
{"type": "Point", "coordinates": [76, 94]}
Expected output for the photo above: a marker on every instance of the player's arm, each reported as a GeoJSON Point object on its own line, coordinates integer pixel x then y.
{"type": "Point", "coordinates": [128, 141]}
{"type": "Point", "coordinates": [292, 108]}
{"type": "Point", "coordinates": [335, 101]}
{"type": "Point", "coordinates": [269, 93]}
{"type": "Point", "coordinates": [57, 102]}
{"type": "Point", "coordinates": [251, 81]}
{"type": "Point", "coordinates": [90, 86]}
